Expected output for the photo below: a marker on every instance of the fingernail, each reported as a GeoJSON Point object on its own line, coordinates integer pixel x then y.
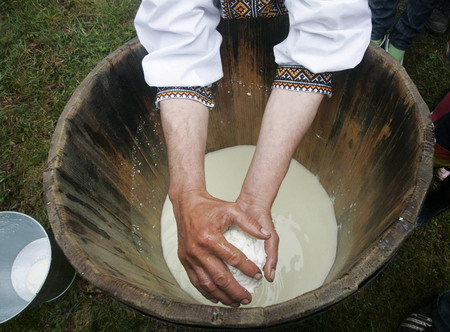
{"type": "Point", "coordinates": [214, 301]}
{"type": "Point", "coordinates": [245, 301]}
{"type": "Point", "coordinates": [258, 276]}
{"type": "Point", "coordinates": [272, 274]}
{"type": "Point", "coordinates": [235, 305]}
{"type": "Point", "coordinates": [265, 231]}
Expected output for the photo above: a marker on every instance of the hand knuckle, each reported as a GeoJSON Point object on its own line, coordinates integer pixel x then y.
{"type": "Point", "coordinates": [207, 285]}
{"type": "Point", "coordinates": [234, 259]}
{"type": "Point", "coordinates": [221, 280]}
{"type": "Point", "coordinates": [206, 239]}
{"type": "Point", "coordinates": [276, 238]}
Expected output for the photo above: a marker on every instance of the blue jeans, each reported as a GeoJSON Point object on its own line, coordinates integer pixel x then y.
{"type": "Point", "coordinates": [408, 26]}
{"type": "Point", "coordinates": [441, 312]}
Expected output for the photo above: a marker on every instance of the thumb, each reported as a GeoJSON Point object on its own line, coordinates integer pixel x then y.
{"type": "Point", "coordinates": [249, 225]}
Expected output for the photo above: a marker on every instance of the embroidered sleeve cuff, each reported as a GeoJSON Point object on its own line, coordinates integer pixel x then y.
{"type": "Point", "coordinates": [202, 94]}
{"type": "Point", "coordinates": [298, 78]}
{"type": "Point", "coordinates": [237, 9]}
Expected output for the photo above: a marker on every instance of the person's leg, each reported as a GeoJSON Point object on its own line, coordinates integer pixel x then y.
{"type": "Point", "coordinates": [434, 317]}
{"type": "Point", "coordinates": [436, 202]}
{"type": "Point", "coordinates": [383, 13]}
{"type": "Point", "coordinates": [411, 22]}
{"type": "Point", "coordinates": [439, 18]}
{"type": "Point", "coordinates": [441, 109]}
{"type": "Point", "coordinates": [441, 312]}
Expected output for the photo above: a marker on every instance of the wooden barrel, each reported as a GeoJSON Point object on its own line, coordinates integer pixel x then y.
{"type": "Point", "coordinates": [371, 146]}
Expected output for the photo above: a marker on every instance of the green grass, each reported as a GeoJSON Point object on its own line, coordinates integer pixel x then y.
{"type": "Point", "coordinates": [47, 47]}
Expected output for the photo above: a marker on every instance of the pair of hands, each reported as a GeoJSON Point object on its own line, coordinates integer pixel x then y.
{"type": "Point", "coordinates": [201, 220]}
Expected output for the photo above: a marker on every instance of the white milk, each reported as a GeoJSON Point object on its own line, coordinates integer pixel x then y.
{"type": "Point", "coordinates": [30, 268]}
{"type": "Point", "coordinates": [304, 219]}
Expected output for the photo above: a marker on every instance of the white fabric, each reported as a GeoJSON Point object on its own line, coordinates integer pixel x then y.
{"type": "Point", "coordinates": [182, 41]}
{"type": "Point", "coordinates": [184, 45]}
{"type": "Point", "coordinates": [325, 35]}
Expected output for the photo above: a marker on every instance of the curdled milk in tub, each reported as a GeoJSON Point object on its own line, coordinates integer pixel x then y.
{"type": "Point", "coordinates": [304, 218]}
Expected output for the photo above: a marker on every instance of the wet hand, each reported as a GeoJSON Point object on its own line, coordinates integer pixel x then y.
{"type": "Point", "coordinates": [261, 213]}
{"type": "Point", "coordinates": [203, 250]}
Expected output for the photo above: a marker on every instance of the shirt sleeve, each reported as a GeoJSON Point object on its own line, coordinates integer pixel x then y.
{"type": "Point", "coordinates": [182, 42]}
{"type": "Point", "coordinates": [325, 35]}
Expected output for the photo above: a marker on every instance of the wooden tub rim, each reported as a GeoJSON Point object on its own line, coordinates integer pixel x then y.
{"type": "Point", "coordinates": [181, 313]}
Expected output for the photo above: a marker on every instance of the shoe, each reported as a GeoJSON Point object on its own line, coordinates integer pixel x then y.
{"type": "Point", "coordinates": [438, 21]}
{"type": "Point", "coordinates": [380, 42]}
{"type": "Point", "coordinates": [394, 51]}
{"type": "Point", "coordinates": [441, 173]}
{"type": "Point", "coordinates": [418, 322]}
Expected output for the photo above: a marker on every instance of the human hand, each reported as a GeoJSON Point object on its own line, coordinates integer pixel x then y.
{"type": "Point", "coordinates": [261, 213]}
{"type": "Point", "coordinates": [203, 250]}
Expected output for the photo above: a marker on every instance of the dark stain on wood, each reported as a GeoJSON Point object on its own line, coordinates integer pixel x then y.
{"type": "Point", "coordinates": [82, 221]}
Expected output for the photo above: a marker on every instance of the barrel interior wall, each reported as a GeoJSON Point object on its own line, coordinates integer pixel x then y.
{"type": "Point", "coordinates": [236, 119]}
{"type": "Point", "coordinates": [111, 143]}
{"type": "Point", "coordinates": [249, 67]}
{"type": "Point", "coordinates": [247, 48]}
{"type": "Point", "coordinates": [360, 148]}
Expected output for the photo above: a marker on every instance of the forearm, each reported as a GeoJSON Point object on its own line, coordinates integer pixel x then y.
{"type": "Point", "coordinates": [185, 126]}
{"type": "Point", "coordinates": [287, 117]}
{"type": "Point", "coordinates": [201, 218]}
